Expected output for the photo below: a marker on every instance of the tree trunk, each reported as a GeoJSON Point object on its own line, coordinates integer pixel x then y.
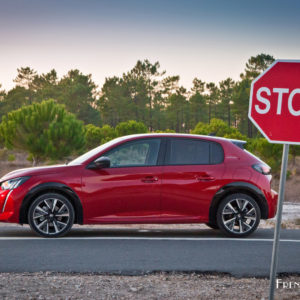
{"type": "Point", "coordinates": [150, 115]}
{"type": "Point", "coordinates": [177, 121]}
{"type": "Point", "coordinates": [35, 161]}
{"type": "Point", "coordinates": [249, 128]}
{"type": "Point", "coordinates": [229, 115]}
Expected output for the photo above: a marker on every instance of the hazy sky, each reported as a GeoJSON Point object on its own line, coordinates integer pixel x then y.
{"type": "Point", "coordinates": [211, 40]}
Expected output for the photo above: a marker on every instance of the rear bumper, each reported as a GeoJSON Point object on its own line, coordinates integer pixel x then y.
{"type": "Point", "coordinates": [273, 200]}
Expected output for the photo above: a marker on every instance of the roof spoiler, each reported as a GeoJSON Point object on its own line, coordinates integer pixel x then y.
{"type": "Point", "coordinates": [239, 143]}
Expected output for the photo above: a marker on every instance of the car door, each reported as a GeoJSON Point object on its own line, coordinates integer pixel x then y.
{"type": "Point", "coordinates": [191, 176]}
{"type": "Point", "coordinates": [130, 189]}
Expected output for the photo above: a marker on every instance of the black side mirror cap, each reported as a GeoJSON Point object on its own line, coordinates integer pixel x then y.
{"type": "Point", "coordinates": [100, 163]}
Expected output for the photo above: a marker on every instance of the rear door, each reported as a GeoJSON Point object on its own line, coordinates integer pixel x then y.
{"type": "Point", "coordinates": [192, 174]}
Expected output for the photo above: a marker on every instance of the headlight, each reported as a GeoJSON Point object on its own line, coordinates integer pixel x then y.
{"type": "Point", "coordinates": [13, 183]}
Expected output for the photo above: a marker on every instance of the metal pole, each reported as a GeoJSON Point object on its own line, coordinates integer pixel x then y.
{"type": "Point", "coordinates": [274, 262]}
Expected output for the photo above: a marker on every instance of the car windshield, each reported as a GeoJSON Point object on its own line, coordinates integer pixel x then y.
{"type": "Point", "coordinates": [86, 156]}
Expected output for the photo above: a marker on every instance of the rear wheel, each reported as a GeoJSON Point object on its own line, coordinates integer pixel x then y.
{"type": "Point", "coordinates": [51, 215]}
{"type": "Point", "coordinates": [238, 215]}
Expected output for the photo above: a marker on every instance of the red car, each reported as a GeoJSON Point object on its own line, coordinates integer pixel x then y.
{"type": "Point", "coordinates": [145, 178]}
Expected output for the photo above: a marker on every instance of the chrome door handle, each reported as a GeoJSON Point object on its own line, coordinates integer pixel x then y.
{"type": "Point", "coordinates": [149, 179]}
{"type": "Point", "coordinates": [205, 177]}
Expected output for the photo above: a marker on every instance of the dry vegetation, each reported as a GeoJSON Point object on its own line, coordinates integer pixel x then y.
{"type": "Point", "coordinates": [152, 286]}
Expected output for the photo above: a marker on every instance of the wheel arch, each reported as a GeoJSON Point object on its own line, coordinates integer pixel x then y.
{"type": "Point", "coordinates": [51, 187]}
{"type": "Point", "coordinates": [238, 187]}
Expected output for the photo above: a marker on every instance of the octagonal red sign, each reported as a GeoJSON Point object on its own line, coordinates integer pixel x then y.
{"type": "Point", "coordinates": [274, 106]}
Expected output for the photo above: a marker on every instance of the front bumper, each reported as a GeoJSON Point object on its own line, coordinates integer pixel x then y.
{"type": "Point", "coordinates": [6, 205]}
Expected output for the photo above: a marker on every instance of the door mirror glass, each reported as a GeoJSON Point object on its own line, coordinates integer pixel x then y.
{"type": "Point", "coordinates": [100, 163]}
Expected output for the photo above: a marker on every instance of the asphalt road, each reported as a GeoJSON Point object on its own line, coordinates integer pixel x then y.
{"type": "Point", "coordinates": [133, 251]}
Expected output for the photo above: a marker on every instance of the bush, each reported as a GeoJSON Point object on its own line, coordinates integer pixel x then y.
{"type": "Point", "coordinates": [92, 136]}
{"type": "Point", "coordinates": [130, 127]}
{"type": "Point", "coordinates": [108, 133]}
{"type": "Point", "coordinates": [46, 130]}
{"type": "Point", "coordinates": [218, 127]}
{"type": "Point", "coordinates": [96, 136]}
{"type": "Point", "coordinates": [165, 131]}
{"type": "Point", "coordinates": [11, 158]}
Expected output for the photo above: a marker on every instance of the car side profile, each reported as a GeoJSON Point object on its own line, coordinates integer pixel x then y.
{"type": "Point", "coordinates": [145, 178]}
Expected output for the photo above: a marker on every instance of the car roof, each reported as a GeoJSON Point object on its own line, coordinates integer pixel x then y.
{"type": "Point", "coordinates": [186, 135]}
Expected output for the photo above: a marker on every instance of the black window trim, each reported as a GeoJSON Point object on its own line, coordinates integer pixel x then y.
{"type": "Point", "coordinates": [167, 151]}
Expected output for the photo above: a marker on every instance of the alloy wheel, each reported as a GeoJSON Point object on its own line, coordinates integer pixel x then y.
{"type": "Point", "coordinates": [51, 215]}
{"type": "Point", "coordinates": [239, 216]}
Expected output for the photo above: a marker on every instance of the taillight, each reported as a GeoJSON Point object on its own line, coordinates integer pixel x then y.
{"type": "Point", "coordinates": [262, 168]}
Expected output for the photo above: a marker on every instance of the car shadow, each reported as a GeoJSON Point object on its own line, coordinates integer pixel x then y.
{"type": "Point", "coordinates": [147, 233]}
{"type": "Point", "coordinates": [135, 231]}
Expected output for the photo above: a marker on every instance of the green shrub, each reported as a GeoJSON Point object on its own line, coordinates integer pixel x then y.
{"type": "Point", "coordinates": [218, 128]}
{"type": "Point", "coordinates": [45, 130]}
{"type": "Point", "coordinates": [11, 158]}
{"type": "Point", "coordinates": [130, 127]}
{"type": "Point", "coordinates": [165, 131]}
{"type": "Point", "coordinates": [96, 136]}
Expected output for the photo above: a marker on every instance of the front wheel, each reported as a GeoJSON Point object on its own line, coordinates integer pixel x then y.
{"type": "Point", "coordinates": [238, 215]}
{"type": "Point", "coordinates": [51, 215]}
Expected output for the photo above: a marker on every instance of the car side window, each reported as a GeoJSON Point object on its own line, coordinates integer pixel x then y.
{"type": "Point", "coordinates": [216, 153]}
{"type": "Point", "coordinates": [193, 152]}
{"type": "Point", "coordinates": [134, 154]}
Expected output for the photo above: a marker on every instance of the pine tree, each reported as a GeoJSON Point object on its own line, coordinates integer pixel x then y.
{"type": "Point", "coordinates": [46, 130]}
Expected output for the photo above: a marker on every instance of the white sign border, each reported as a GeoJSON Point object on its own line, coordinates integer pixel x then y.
{"type": "Point", "coordinates": [251, 95]}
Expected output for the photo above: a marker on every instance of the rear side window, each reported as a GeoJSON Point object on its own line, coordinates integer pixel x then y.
{"type": "Point", "coordinates": [193, 152]}
{"type": "Point", "coordinates": [217, 153]}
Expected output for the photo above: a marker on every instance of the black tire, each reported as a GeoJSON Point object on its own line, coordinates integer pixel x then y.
{"type": "Point", "coordinates": [51, 215]}
{"type": "Point", "coordinates": [238, 215]}
{"type": "Point", "coordinates": [212, 226]}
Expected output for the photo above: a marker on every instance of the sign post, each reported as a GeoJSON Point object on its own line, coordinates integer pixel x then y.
{"type": "Point", "coordinates": [274, 262]}
{"type": "Point", "coordinates": [275, 110]}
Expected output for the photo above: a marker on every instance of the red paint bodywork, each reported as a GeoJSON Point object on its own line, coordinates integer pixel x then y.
{"type": "Point", "coordinates": [156, 194]}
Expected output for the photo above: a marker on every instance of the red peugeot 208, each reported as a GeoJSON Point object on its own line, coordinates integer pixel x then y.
{"type": "Point", "coordinates": [146, 178]}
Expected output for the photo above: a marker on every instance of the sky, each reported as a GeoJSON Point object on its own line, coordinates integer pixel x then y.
{"type": "Point", "coordinates": [211, 40]}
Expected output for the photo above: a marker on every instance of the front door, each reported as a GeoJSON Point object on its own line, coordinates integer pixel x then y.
{"type": "Point", "coordinates": [128, 191]}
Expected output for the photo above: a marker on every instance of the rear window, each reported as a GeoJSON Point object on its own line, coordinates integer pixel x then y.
{"type": "Point", "coordinates": [193, 152]}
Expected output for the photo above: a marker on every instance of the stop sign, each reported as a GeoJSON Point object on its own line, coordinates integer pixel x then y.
{"type": "Point", "coordinates": [275, 102]}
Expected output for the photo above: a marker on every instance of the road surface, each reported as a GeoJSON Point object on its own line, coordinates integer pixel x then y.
{"type": "Point", "coordinates": [133, 251]}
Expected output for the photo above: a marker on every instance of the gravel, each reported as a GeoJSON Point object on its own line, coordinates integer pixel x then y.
{"type": "Point", "coordinates": [152, 286]}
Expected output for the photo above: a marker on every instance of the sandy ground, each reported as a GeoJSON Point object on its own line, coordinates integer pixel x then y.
{"type": "Point", "coordinates": [290, 217]}
{"type": "Point", "coordinates": [153, 286]}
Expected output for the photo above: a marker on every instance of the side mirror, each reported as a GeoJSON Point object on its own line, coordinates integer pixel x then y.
{"type": "Point", "coordinates": [100, 163]}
